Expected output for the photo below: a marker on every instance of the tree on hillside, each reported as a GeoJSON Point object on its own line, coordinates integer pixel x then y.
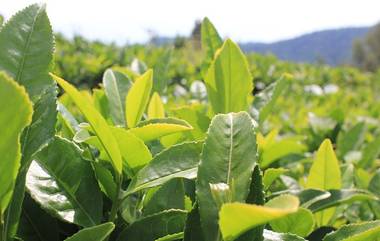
{"type": "Point", "coordinates": [366, 52]}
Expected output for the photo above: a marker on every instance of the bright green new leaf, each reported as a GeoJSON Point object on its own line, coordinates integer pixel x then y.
{"type": "Point", "coordinates": [228, 157]}
{"type": "Point", "coordinates": [138, 98]}
{"type": "Point", "coordinates": [15, 115]}
{"type": "Point", "coordinates": [116, 86]}
{"type": "Point", "coordinates": [171, 237]}
{"type": "Point", "coordinates": [133, 150]}
{"type": "Point", "coordinates": [367, 231]}
{"type": "Point", "coordinates": [300, 223]}
{"type": "Point", "coordinates": [177, 161]}
{"type": "Point", "coordinates": [96, 233]}
{"type": "Point", "coordinates": [156, 128]}
{"type": "Point", "coordinates": [271, 174]}
{"type": "Point", "coordinates": [325, 174]}
{"type": "Point", "coordinates": [237, 218]}
{"type": "Point", "coordinates": [228, 80]}
{"type": "Point", "coordinates": [211, 42]}
{"type": "Point", "coordinates": [279, 149]}
{"type": "Point", "coordinates": [156, 107]}
{"type": "Point", "coordinates": [97, 122]}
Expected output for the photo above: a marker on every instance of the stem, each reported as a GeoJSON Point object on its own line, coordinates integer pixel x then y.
{"type": "Point", "coordinates": [116, 200]}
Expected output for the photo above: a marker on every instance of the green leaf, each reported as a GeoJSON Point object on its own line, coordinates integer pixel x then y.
{"type": "Point", "coordinates": [161, 71]}
{"type": "Point", "coordinates": [351, 140]}
{"type": "Point", "coordinates": [116, 86]}
{"type": "Point", "coordinates": [339, 197]}
{"type": "Point", "coordinates": [34, 221]}
{"type": "Point", "coordinates": [170, 196]}
{"type": "Point", "coordinates": [229, 157]}
{"type": "Point", "coordinates": [273, 236]}
{"type": "Point", "coordinates": [177, 161]}
{"type": "Point", "coordinates": [61, 181]}
{"type": "Point", "coordinates": [325, 174]}
{"type": "Point", "coordinates": [264, 102]}
{"type": "Point", "coordinates": [15, 115]}
{"type": "Point", "coordinates": [33, 138]}
{"type": "Point", "coordinates": [97, 122]}
{"type": "Point", "coordinates": [133, 150]}
{"type": "Point", "coordinates": [279, 149]}
{"type": "Point", "coordinates": [211, 42]}
{"type": "Point", "coordinates": [171, 237]}
{"type": "Point", "coordinates": [96, 233]}
{"type": "Point", "coordinates": [228, 80]}
{"type": "Point", "coordinates": [271, 174]}
{"type": "Point", "coordinates": [356, 232]}
{"type": "Point", "coordinates": [155, 128]}
{"type": "Point", "coordinates": [256, 196]}
{"type": "Point", "coordinates": [193, 229]}
{"type": "Point", "coordinates": [300, 223]}
{"type": "Point", "coordinates": [160, 225]}
{"type": "Point", "coordinates": [370, 153]}
{"type": "Point", "coordinates": [26, 41]}
{"type": "Point", "coordinates": [237, 218]}
{"type": "Point", "coordinates": [156, 107]}
{"type": "Point", "coordinates": [138, 98]}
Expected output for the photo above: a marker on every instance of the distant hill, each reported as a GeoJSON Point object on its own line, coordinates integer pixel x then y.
{"type": "Point", "coordinates": [330, 46]}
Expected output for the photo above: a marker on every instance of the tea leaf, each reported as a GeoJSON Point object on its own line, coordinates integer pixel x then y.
{"type": "Point", "coordinates": [229, 157]}
{"type": "Point", "coordinates": [138, 98]}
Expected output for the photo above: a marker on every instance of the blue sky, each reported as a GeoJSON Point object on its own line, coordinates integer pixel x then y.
{"type": "Point", "coordinates": [242, 20]}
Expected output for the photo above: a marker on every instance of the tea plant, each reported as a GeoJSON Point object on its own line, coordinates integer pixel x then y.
{"type": "Point", "coordinates": [120, 163]}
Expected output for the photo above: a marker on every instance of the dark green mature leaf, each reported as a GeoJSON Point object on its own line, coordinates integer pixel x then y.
{"type": "Point", "coordinates": [266, 99]}
{"type": "Point", "coordinates": [170, 196]}
{"type": "Point", "coordinates": [351, 140]}
{"type": "Point", "coordinates": [273, 236]}
{"type": "Point", "coordinates": [26, 43]}
{"type": "Point", "coordinates": [63, 183]}
{"type": "Point", "coordinates": [342, 196]}
{"type": "Point", "coordinates": [211, 42]}
{"type": "Point", "coordinates": [15, 115]}
{"type": "Point", "coordinates": [96, 233]}
{"type": "Point", "coordinates": [368, 231]}
{"type": "Point", "coordinates": [229, 156]}
{"type": "Point", "coordinates": [193, 229]}
{"type": "Point", "coordinates": [171, 237]}
{"type": "Point", "coordinates": [34, 222]}
{"type": "Point", "coordinates": [317, 200]}
{"type": "Point", "coordinates": [256, 196]}
{"type": "Point", "coordinates": [35, 136]}
{"type": "Point", "coordinates": [228, 80]}
{"type": "Point", "coordinates": [116, 86]}
{"type": "Point", "coordinates": [177, 161]}
{"type": "Point", "coordinates": [155, 226]}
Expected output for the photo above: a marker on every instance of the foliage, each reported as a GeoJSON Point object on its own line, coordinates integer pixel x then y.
{"type": "Point", "coordinates": [181, 143]}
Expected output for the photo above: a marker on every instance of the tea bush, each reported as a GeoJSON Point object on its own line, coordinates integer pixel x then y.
{"type": "Point", "coordinates": [143, 158]}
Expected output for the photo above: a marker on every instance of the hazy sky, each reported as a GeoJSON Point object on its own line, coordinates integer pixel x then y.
{"type": "Point", "coordinates": [242, 20]}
